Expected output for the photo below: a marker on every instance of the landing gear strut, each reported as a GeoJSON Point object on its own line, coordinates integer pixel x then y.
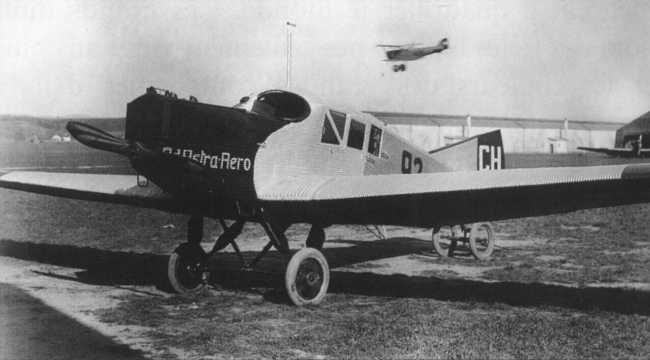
{"type": "Point", "coordinates": [307, 272]}
{"type": "Point", "coordinates": [316, 237]}
{"type": "Point", "coordinates": [479, 237]}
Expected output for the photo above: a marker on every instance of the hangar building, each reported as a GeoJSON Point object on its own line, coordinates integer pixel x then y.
{"type": "Point", "coordinates": [520, 135]}
{"type": "Point", "coordinates": [631, 132]}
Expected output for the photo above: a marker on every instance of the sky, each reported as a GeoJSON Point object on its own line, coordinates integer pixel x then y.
{"type": "Point", "coordinates": [577, 59]}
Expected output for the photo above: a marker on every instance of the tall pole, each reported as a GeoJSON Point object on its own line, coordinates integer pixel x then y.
{"type": "Point", "coordinates": [289, 51]}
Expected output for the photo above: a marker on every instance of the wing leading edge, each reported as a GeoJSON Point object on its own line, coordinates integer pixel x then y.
{"type": "Point", "coordinates": [120, 189]}
{"type": "Point", "coordinates": [455, 197]}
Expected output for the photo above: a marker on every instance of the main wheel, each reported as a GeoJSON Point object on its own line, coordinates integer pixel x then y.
{"type": "Point", "coordinates": [185, 269]}
{"type": "Point", "coordinates": [307, 277]}
{"type": "Point", "coordinates": [481, 240]}
{"type": "Point", "coordinates": [444, 241]}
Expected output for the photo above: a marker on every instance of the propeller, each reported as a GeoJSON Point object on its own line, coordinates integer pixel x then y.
{"type": "Point", "coordinates": [99, 139]}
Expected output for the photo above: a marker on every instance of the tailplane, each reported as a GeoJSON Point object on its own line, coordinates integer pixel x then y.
{"type": "Point", "coordinates": [480, 152]}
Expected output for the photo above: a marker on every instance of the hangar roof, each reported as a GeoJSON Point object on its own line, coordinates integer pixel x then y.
{"type": "Point", "coordinates": [638, 125]}
{"type": "Point", "coordinates": [395, 118]}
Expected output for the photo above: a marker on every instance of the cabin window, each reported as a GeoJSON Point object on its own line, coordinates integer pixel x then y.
{"type": "Point", "coordinates": [329, 136]}
{"type": "Point", "coordinates": [339, 122]}
{"type": "Point", "coordinates": [356, 135]}
{"type": "Point", "coordinates": [374, 145]}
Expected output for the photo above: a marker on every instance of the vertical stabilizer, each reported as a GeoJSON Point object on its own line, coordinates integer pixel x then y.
{"type": "Point", "coordinates": [480, 152]}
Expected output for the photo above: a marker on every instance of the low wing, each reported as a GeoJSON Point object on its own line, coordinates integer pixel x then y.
{"type": "Point", "coordinates": [615, 151]}
{"type": "Point", "coordinates": [455, 197]}
{"type": "Point", "coordinates": [120, 189]}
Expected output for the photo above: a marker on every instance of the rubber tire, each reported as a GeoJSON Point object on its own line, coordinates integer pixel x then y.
{"type": "Point", "coordinates": [292, 271]}
{"type": "Point", "coordinates": [472, 241]}
{"type": "Point", "coordinates": [174, 281]}
{"type": "Point", "coordinates": [435, 239]}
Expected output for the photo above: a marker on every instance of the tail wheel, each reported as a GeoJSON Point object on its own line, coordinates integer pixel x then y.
{"type": "Point", "coordinates": [307, 277]}
{"type": "Point", "coordinates": [185, 269]}
{"type": "Point", "coordinates": [444, 241]}
{"type": "Point", "coordinates": [481, 240]}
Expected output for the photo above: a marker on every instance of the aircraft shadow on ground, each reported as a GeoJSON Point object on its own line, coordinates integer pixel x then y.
{"type": "Point", "coordinates": [33, 330]}
{"type": "Point", "coordinates": [102, 267]}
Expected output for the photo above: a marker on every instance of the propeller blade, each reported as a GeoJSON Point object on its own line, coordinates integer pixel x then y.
{"type": "Point", "coordinates": [98, 139]}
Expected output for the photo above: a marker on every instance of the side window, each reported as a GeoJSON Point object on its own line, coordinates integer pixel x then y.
{"type": "Point", "coordinates": [357, 132]}
{"type": "Point", "coordinates": [329, 136]}
{"type": "Point", "coordinates": [374, 145]}
{"type": "Point", "coordinates": [339, 122]}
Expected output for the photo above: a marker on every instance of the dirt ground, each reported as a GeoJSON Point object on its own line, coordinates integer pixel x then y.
{"type": "Point", "coordinates": [573, 285]}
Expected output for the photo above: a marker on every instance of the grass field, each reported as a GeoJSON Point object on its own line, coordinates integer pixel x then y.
{"type": "Point", "coordinates": [573, 285]}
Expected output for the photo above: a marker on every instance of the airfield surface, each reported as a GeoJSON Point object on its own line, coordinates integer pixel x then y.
{"type": "Point", "coordinates": [574, 285]}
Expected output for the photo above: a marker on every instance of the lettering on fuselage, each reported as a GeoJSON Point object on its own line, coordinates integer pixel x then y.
{"type": "Point", "coordinates": [490, 157]}
{"type": "Point", "coordinates": [410, 163]}
{"type": "Point", "coordinates": [223, 161]}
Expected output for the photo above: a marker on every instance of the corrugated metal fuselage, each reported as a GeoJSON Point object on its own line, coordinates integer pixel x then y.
{"type": "Point", "coordinates": [225, 155]}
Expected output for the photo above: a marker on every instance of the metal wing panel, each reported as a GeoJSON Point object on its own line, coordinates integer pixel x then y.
{"type": "Point", "coordinates": [460, 197]}
{"type": "Point", "coordinates": [609, 151]}
{"type": "Point", "coordinates": [121, 189]}
{"type": "Point", "coordinates": [306, 188]}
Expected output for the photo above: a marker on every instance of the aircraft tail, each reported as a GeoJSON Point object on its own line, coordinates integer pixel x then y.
{"type": "Point", "coordinates": [444, 43]}
{"type": "Point", "coordinates": [480, 152]}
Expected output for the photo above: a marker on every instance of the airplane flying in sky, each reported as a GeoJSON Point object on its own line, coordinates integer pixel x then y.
{"type": "Point", "coordinates": [280, 158]}
{"type": "Point", "coordinates": [410, 52]}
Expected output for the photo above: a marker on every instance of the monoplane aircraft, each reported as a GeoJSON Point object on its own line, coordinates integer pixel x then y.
{"type": "Point", "coordinates": [280, 158]}
{"type": "Point", "coordinates": [632, 148]}
{"type": "Point", "coordinates": [410, 52]}
{"type": "Point", "coordinates": [632, 139]}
